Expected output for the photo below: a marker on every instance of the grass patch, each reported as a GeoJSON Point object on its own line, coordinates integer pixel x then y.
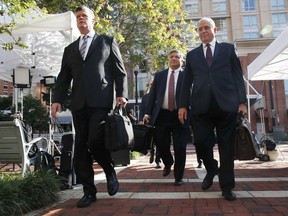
{"type": "Point", "coordinates": [19, 195]}
{"type": "Point", "coordinates": [135, 155]}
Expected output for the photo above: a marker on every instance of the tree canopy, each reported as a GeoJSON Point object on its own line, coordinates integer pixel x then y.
{"type": "Point", "coordinates": [145, 29]}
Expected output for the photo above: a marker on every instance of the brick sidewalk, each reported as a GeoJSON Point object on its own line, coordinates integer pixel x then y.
{"type": "Point", "coordinates": [261, 189]}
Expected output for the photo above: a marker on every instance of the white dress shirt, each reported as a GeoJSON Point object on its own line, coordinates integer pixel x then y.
{"type": "Point", "coordinates": [89, 40]}
{"type": "Point", "coordinates": [176, 74]}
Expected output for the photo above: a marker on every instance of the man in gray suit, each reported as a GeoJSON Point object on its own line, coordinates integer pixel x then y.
{"type": "Point", "coordinates": [94, 64]}
{"type": "Point", "coordinates": [164, 111]}
{"type": "Point", "coordinates": [218, 94]}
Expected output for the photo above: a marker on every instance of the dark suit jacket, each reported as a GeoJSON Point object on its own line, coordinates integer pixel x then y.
{"type": "Point", "coordinates": [143, 106]}
{"type": "Point", "coordinates": [224, 78]}
{"type": "Point", "coordinates": [93, 79]}
{"type": "Point", "coordinates": [157, 93]}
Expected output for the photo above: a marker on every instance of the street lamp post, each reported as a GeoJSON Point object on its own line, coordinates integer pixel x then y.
{"type": "Point", "coordinates": [136, 92]}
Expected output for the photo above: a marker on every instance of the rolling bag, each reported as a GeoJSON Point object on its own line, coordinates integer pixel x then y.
{"type": "Point", "coordinates": [66, 169]}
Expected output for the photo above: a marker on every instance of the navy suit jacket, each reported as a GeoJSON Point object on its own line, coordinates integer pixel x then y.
{"type": "Point", "coordinates": [95, 79]}
{"type": "Point", "coordinates": [157, 93]}
{"type": "Point", "coordinates": [224, 79]}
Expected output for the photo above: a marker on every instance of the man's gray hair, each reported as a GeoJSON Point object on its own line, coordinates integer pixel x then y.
{"type": "Point", "coordinates": [208, 19]}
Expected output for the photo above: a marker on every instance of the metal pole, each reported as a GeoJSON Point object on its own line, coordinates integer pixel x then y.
{"type": "Point", "coordinates": [136, 95]}
{"type": "Point", "coordinates": [272, 102]}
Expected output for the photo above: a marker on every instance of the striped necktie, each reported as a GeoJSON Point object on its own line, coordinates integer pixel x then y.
{"type": "Point", "coordinates": [84, 45]}
{"type": "Point", "coordinates": [171, 97]}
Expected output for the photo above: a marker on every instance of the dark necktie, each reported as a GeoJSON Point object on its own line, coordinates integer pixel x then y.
{"type": "Point", "coordinates": [84, 45]}
{"type": "Point", "coordinates": [171, 98]}
{"type": "Point", "coordinates": [208, 54]}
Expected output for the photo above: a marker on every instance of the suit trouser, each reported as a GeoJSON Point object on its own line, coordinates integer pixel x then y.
{"type": "Point", "coordinates": [90, 146]}
{"type": "Point", "coordinates": [204, 136]}
{"type": "Point", "coordinates": [168, 129]}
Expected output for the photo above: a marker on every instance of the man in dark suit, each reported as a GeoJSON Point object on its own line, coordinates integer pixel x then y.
{"type": "Point", "coordinates": [143, 107]}
{"type": "Point", "coordinates": [162, 104]}
{"type": "Point", "coordinates": [218, 94]}
{"type": "Point", "coordinates": [95, 65]}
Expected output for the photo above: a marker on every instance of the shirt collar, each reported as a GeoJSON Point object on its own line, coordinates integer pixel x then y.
{"type": "Point", "coordinates": [212, 43]}
{"type": "Point", "coordinates": [176, 71]}
{"type": "Point", "coordinates": [90, 34]}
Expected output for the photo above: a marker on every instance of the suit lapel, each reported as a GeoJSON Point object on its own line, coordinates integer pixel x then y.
{"type": "Point", "coordinates": [202, 56]}
{"type": "Point", "coordinates": [163, 87]}
{"type": "Point", "coordinates": [96, 39]}
{"type": "Point", "coordinates": [216, 51]}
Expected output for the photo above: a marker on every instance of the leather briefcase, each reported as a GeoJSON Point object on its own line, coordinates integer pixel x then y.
{"type": "Point", "coordinates": [143, 138]}
{"type": "Point", "coordinates": [118, 130]}
{"type": "Point", "coordinates": [245, 146]}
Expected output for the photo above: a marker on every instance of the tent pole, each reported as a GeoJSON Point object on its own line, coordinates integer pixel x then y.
{"type": "Point", "coordinates": [248, 99]}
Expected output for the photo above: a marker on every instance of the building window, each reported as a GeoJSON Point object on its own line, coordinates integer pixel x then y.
{"type": "Point", "coordinates": [192, 6]}
{"type": "Point", "coordinates": [277, 4]}
{"type": "Point", "coordinates": [219, 6]}
{"type": "Point", "coordinates": [221, 33]}
{"type": "Point", "coordinates": [279, 22]}
{"type": "Point", "coordinates": [248, 5]}
{"type": "Point", "coordinates": [221, 24]}
{"type": "Point", "coordinates": [250, 26]}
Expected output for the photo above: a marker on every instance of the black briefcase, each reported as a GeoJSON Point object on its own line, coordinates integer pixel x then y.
{"type": "Point", "coordinates": [118, 130]}
{"type": "Point", "coordinates": [143, 138]}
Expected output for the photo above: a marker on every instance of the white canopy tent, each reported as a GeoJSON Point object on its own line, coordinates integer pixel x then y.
{"type": "Point", "coordinates": [272, 63]}
{"type": "Point", "coordinates": [45, 36]}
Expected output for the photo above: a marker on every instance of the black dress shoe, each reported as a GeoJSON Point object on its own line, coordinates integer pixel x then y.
{"type": "Point", "coordinates": [178, 182]}
{"type": "Point", "coordinates": [166, 170]}
{"type": "Point", "coordinates": [158, 166]}
{"type": "Point", "coordinates": [86, 200]}
{"type": "Point", "coordinates": [208, 180]}
{"type": "Point", "coordinates": [229, 195]}
{"type": "Point", "coordinates": [112, 184]}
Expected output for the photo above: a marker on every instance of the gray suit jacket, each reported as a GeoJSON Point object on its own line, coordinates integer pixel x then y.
{"type": "Point", "coordinates": [96, 79]}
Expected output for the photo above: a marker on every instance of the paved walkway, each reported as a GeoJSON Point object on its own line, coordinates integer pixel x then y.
{"type": "Point", "coordinates": [261, 189]}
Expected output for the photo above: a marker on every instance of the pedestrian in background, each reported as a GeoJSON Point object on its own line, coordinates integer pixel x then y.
{"type": "Point", "coordinates": [162, 112]}
{"type": "Point", "coordinates": [143, 106]}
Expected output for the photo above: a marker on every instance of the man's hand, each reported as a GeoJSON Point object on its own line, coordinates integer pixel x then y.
{"type": "Point", "coordinates": [182, 115]}
{"type": "Point", "coordinates": [121, 101]}
{"type": "Point", "coordinates": [146, 118]}
{"type": "Point", "coordinates": [56, 107]}
{"type": "Point", "coordinates": [242, 108]}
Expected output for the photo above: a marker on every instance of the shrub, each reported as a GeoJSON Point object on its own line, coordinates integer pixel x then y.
{"type": "Point", "coordinates": [19, 195]}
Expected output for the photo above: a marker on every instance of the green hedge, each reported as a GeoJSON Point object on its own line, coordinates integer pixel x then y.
{"type": "Point", "coordinates": [19, 195]}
